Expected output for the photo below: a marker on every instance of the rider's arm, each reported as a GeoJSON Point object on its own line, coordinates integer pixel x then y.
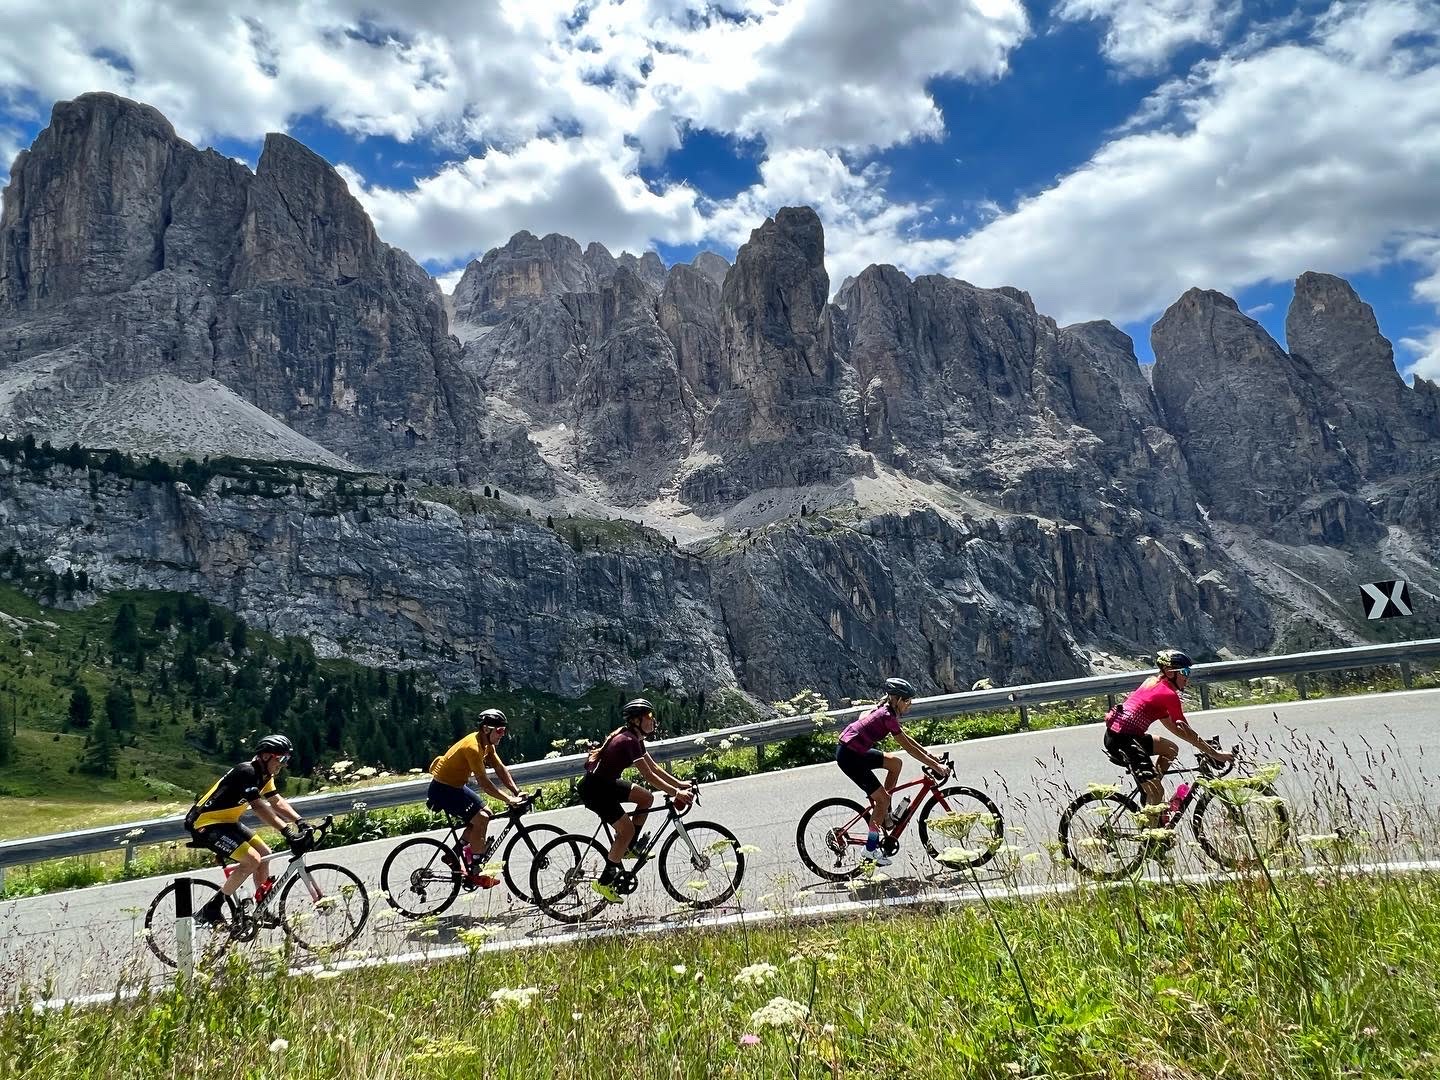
{"type": "Point", "coordinates": [659, 777]}
{"type": "Point", "coordinates": [274, 811]}
{"type": "Point", "coordinates": [504, 774]}
{"type": "Point", "coordinates": [918, 752]}
{"type": "Point", "coordinates": [1180, 728]}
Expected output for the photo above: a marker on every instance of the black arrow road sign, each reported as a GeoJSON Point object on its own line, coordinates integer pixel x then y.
{"type": "Point", "coordinates": [1385, 599]}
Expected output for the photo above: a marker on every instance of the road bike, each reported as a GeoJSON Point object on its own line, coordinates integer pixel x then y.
{"type": "Point", "coordinates": [701, 864]}
{"type": "Point", "coordinates": [319, 906]}
{"type": "Point", "coordinates": [423, 876]}
{"type": "Point", "coordinates": [832, 833]}
{"type": "Point", "coordinates": [1106, 835]}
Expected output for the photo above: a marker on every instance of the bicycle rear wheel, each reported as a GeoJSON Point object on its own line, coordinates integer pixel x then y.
{"type": "Point", "coordinates": [1239, 835]}
{"type": "Point", "coordinates": [1101, 837]}
{"type": "Point", "coordinates": [207, 943]}
{"type": "Point", "coordinates": [323, 907]}
{"type": "Point", "coordinates": [521, 853]}
{"type": "Point", "coordinates": [421, 877]}
{"type": "Point", "coordinates": [831, 838]}
{"type": "Point", "coordinates": [704, 870]}
{"type": "Point", "coordinates": [966, 825]}
{"type": "Point", "coordinates": [561, 875]}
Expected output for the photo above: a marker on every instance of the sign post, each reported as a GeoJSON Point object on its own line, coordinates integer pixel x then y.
{"type": "Point", "coordinates": [184, 929]}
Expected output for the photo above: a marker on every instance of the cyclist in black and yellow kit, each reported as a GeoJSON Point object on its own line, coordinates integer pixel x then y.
{"type": "Point", "coordinates": [214, 820]}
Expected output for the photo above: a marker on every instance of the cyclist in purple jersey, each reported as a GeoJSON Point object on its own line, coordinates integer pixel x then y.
{"type": "Point", "coordinates": [858, 759]}
{"type": "Point", "coordinates": [1128, 742]}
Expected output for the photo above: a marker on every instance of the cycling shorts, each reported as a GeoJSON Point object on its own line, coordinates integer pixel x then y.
{"type": "Point", "coordinates": [860, 767]}
{"type": "Point", "coordinates": [1132, 752]}
{"type": "Point", "coordinates": [228, 839]}
{"type": "Point", "coordinates": [605, 797]}
{"type": "Point", "coordinates": [462, 802]}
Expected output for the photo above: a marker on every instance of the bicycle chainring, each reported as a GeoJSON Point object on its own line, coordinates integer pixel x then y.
{"type": "Point", "coordinates": [890, 844]}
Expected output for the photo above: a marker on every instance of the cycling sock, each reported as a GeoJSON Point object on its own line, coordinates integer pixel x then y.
{"type": "Point", "coordinates": [872, 840]}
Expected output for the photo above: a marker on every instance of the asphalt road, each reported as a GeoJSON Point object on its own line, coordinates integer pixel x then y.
{"type": "Point", "coordinates": [1361, 760]}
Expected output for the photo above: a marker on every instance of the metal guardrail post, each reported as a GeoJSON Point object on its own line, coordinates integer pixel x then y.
{"type": "Point", "coordinates": [1407, 677]}
{"type": "Point", "coordinates": [1024, 718]}
{"type": "Point", "coordinates": [1301, 688]}
{"type": "Point", "coordinates": [759, 757]}
{"type": "Point", "coordinates": [1109, 702]}
{"type": "Point", "coordinates": [129, 854]}
{"type": "Point", "coordinates": [1204, 696]}
{"type": "Point", "coordinates": [184, 929]}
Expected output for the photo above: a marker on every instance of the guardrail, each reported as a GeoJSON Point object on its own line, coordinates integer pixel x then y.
{"type": "Point", "coordinates": [162, 830]}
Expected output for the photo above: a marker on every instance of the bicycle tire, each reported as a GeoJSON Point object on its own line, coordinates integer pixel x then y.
{"type": "Point", "coordinates": [1276, 832]}
{"type": "Point", "coordinates": [561, 874]}
{"type": "Point", "coordinates": [159, 928]}
{"type": "Point", "coordinates": [1073, 845]}
{"type": "Point", "coordinates": [535, 837]}
{"type": "Point", "coordinates": [425, 868]}
{"type": "Point", "coordinates": [681, 878]}
{"type": "Point", "coordinates": [338, 924]}
{"type": "Point", "coordinates": [983, 845]}
{"type": "Point", "coordinates": [831, 849]}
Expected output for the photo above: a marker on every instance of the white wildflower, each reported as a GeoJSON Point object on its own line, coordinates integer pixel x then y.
{"type": "Point", "coordinates": [520, 997]}
{"type": "Point", "coordinates": [756, 974]}
{"type": "Point", "coordinates": [780, 1012]}
{"type": "Point", "coordinates": [279, 1046]}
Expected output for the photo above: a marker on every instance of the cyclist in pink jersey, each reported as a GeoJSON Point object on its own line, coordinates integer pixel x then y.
{"type": "Point", "coordinates": [858, 759]}
{"type": "Point", "coordinates": [1128, 742]}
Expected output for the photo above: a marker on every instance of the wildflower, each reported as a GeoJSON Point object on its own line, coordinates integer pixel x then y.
{"type": "Point", "coordinates": [134, 834]}
{"type": "Point", "coordinates": [748, 849]}
{"type": "Point", "coordinates": [340, 767]}
{"type": "Point", "coordinates": [520, 997]}
{"type": "Point", "coordinates": [559, 744]}
{"type": "Point", "coordinates": [1102, 790]}
{"type": "Point", "coordinates": [1321, 840]}
{"type": "Point", "coordinates": [1012, 1067]}
{"type": "Point", "coordinates": [700, 740]}
{"type": "Point", "coordinates": [780, 1012]}
{"type": "Point", "coordinates": [749, 1040]}
{"type": "Point", "coordinates": [725, 744]}
{"type": "Point", "coordinates": [475, 936]}
{"type": "Point", "coordinates": [358, 807]}
{"type": "Point", "coordinates": [959, 825]}
{"type": "Point", "coordinates": [366, 773]}
{"type": "Point", "coordinates": [1030, 857]}
{"type": "Point", "coordinates": [755, 975]}
{"type": "Point", "coordinates": [577, 1016]}
{"type": "Point", "coordinates": [553, 754]}
{"type": "Point", "coordinates": [679, 969]}
{"type": "Point", "coordinates": [279, 1046]}
{"type": "Point", "coordinates": [327, 973]}
{"type": "Point", "coordinates": [1157, 835]}
{"type": "Point", "coordinates": [957, 858]}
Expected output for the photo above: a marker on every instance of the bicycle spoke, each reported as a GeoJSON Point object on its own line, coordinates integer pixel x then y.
{"type": "Point", "coordinates": [1100, 836]}
{"type": "Point", "coordinates": [702, 864]}
{"type": "Point", "coordinates": [421, 877]}
{"type": "Point", "coordinates": [323, 906]}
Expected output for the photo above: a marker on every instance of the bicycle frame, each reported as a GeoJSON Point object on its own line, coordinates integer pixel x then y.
{"type": "Point", "coordinates": [672, 821]}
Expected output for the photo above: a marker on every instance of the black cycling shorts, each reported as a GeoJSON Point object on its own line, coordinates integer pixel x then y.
{"type": "Point", "coordinates": [605, 797]}
{"type": "Point", "coordinates": [860, 767]}
{"type": "Point", "coordinates": [463, 802]}
{"type": "Point", "coordinates": [226, 838]}
{"type": "Point", "coordinates": [1132, 752]}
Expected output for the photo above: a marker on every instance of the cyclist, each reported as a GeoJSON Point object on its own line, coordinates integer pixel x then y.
{"type": "Point", "coordinates": [214, 820]}
{"type": "Point", "coordinates": [1128, 742]}
{"type": "Point", "coordinates": [603, 790]}
{"type": "Point", "coordinates": [451, 792]}
{"type": "Point", "coordinates": [858, 759]}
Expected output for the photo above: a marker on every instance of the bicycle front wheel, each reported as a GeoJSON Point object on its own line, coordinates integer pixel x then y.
{"type": "Point", "coordinates": [520, 855]}
{"type": "Point", "coordinates": [1240, 835]}
{"type": "Point", "coordinates": [831, 838]}
{"type": "Point", "coordinates": [207, 943]}
{"type": "Point", "coordinates": [962, 824]}
{"type": "Point", "coordinates": [421, 877]}
{"type": "Point", "coordinates": [1101, 836]}
{"type": "Point", "coordinates": [323, 907]}
{"type": "Point", "coordinates": [701, 864]}
{"type": "Point", "coordinates": [561, 877]}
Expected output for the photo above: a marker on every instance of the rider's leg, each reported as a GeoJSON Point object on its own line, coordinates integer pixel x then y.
{"type": "Point", "coordinates": [475, 832]}
{"type": "Point", "coordinates": [1166, 751]}
{"type": "Point", "coordinates": [643, 799]}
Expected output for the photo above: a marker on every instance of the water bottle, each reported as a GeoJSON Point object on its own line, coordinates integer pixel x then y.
{"type": "Point", "coordinates": [1175, 801]}
{"type": "Point", "coordinates": [263, 889]}
{"type": "Point", "coordinates": [897, 813]}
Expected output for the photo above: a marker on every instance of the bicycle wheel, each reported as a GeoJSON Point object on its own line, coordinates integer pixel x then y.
{"type": "Point", "coordinates": [1101, 837]}
{"type": "Point", "coordinates": [521, 853]}
{"type": "Point", "coordinates": [207, 943]}
{"type": "Point", "coordinates": [421, 877]}
{"type": "Point", "coordinates": [1237, 836]}
{"type": "Point", "coordinates": [965, 823]}
{"type": "Point", "coordinates": [831, 838]}
{"type": "Point", "coordinates": [701, 864]}
{"type": "Point", "coordinates": [561, 875]}
{"type": "Point", "coordinates": [324, 906]}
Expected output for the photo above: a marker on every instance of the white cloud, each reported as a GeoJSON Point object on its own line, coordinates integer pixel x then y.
{"type": "Point", "coordinates": [1426, 350]}
{"type": "Point", "coordinates": [1259, 309]}
{"type": "Point", "coordinates": [1322, 155]}
{"type": "Point", "coordinates": [9, 147]}
{"type": "Point", "coordinates": [1143, 34]}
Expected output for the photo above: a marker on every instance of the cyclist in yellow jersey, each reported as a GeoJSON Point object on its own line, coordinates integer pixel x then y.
{"type": "Point", "coordinates": [450, 788]}
{"type": "Point", "coordinates": [214, 820]}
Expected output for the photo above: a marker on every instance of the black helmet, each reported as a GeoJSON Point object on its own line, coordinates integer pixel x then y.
{"type": "Point", "coordinates": [899, 688]}
{"type": "Point", "coordinates": [1172, 658]}
{"type": "Point", "coordinates": [492, 718]}
{"type": "Point", "coordinates": [639, 707]}
{"type": "Point", "coordinates": [274, 744]}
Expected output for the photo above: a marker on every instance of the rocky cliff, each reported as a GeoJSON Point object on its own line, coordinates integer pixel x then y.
{"type": "Point", "coordinates": [919, 476]}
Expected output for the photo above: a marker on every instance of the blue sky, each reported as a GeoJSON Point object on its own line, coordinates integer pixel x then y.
{"type": "Point", "coordinates": [1104, 155]}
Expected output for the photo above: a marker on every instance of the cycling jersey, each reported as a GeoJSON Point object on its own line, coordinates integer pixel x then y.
{"type": "Point", "coordinates": [865, 732]}
{"type": "Point", "coordinates": [465, 759]}
{"type": "Point", "coordinates": [1142, 708]}
{"type": "Point", "coordinates": [621, 750]}
{"type": "Point", "coordinates": [231, 795]}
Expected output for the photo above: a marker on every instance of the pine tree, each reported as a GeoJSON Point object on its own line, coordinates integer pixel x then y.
{"type": "Point", "coordinates": [238, 637]}
{"type": "Point", "coordinates": [119, 708]}
{"type": "Point", "coordinates": [102, 751]}
{"type": "Point", "coordinates": [81, 707]}
{"type": "Point", "coordinates": [7, 741]}
{"type": "Point", "coordinates": [125, 634]}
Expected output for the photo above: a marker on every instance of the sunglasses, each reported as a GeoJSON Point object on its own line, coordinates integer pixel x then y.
{"type": "Point", "coordinates": [1184, 671]}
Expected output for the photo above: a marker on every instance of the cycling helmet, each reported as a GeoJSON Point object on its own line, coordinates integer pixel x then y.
{"type": "Point", "coordinates": [274, 744]}
{"type": "Point", "coordinates": [492, 718]}
{"type": "Point", "coordinates": [1172, 658]}
{"type": "Point", "coordinates": [639, 707]}
{"type": "Point", "coordinates": [899, 688]}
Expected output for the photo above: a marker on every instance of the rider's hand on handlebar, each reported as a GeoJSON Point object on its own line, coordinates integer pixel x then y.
{"type": "Point", "coordinates": [682, 798]}
{"type": "Point", "coordinates": [1220, 757]}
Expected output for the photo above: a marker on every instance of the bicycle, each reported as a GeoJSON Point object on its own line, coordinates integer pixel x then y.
{"type": "Point", "coordinates": [1105, 835]}
{"type": "Point", "coordinates": [326, 911]}
{"type": "Point", "coordinates": [423, 876]}
{"type": "Point", "coordinates": [701, 864]}
{"type": "Point", "coordinates": [831, 835]}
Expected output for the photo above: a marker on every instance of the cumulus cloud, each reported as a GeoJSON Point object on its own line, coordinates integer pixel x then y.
{"type": "Point", "coordinates": [1143, 34]}
{"type": "Point", "coordinates": [9, 147]}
